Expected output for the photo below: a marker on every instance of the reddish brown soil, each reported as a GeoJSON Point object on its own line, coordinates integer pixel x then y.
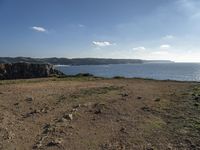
{"type": "Point", "coordinates": [99, 114]}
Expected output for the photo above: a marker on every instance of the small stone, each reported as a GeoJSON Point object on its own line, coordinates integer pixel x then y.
{"type": "Point", "coordinates": [123, 130]}
{"type": "Point", "coordinates": [16, 104]}
{"type": "Point", "coordinates": [36, 111]}
{"type": "Point", "coordinates": [55, 142]}
{"type": "Point", "coordinates": [157, 99]}
{"type": "Point", "coordinates": [77, 106]}
{"type": "Point", "coordinates": [193, 146]}
{"type": "Point", "coordinates": [74, 110]}
{"type": "Point", "coordinates": [89, 104]}
{"type": "Point", "coordinates": [98, 111]}
{"type": "Point", "coordinates": [70, 127]}
{"type": "Point", "coordinates": [99, 108]}
{"type": "Point", "coordinates": [38, 145]}
{"type": "Point", "coordinates": [172, 94]}
{"type": "Point", "coordinates": [69, 116]}
{"type": "Point", "coordinates": [150, 148]}
{"type": "Point", "coordinates": [29, 99]}
{"type": "Point", "coordinates": [196, 104]}
{"type": "Point", "coordinates": [62, 120]}
{"type": "Point", "coordinates": [44, 110]}
{"type": "Point", "coordinates": [139, 97]}
{"type": "Point", "coordinates": [169, 147]}
{"type": "Point", "coordinates": [145, 109]}
{"type": "Point", "coordinates": [124, 95]}
{"type": "Point", "coordinates": [48, 128]}
{"type": "Point", "coordinates": [58, 141]}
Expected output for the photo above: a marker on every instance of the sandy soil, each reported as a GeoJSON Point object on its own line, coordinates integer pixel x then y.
{"type": "Point", "coordinates": [89, 113]}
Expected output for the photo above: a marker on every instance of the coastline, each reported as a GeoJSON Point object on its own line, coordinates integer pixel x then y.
{"type": "Point", "coordinates": [156, 71]}
{"type": "Point", "coordinates": [85, 75]}
{"type": "Point", "coordinates": [122, 77]}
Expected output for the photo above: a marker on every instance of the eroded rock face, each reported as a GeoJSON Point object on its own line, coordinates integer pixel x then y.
{"type": "Point", "coordinates": [26, 70]}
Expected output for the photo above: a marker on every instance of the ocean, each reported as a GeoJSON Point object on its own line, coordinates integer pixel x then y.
{"type": "Point", "coordinates": [158, 71]}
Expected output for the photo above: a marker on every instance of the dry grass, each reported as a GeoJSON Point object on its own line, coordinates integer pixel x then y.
{"type": "Point", "coordinates": [106, 114]}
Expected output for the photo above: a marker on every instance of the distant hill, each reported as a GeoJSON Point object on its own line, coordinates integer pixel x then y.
{"type": "Point", "coordinates": [75, 61]}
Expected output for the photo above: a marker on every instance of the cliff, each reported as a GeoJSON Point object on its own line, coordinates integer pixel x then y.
{"type": "Point", "coordinates": [26, 70]}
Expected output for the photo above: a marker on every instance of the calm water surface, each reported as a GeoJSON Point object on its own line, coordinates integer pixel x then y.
{"type": "Point", "coordinates": [160, 71]}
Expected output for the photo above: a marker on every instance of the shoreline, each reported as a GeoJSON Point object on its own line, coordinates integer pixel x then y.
{"type": "Point", "coordinates": [86, 75]}
{"type": "Point", "coordinates": [121, 77]}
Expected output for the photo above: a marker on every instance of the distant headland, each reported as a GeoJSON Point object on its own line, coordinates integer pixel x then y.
{"type": "Point", "coordinates": [77, 61]}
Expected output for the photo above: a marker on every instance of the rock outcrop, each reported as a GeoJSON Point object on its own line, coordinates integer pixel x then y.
{"type": "Point", "coordinates": [26, 70]}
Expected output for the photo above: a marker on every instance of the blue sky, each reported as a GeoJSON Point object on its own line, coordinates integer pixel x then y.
{"type": "Point", "coordinates": [145, 29]}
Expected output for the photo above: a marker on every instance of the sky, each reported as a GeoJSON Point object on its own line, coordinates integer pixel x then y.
{"type": "Point", "coordinates": [134, 29]}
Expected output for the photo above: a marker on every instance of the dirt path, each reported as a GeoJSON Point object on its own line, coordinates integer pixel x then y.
{"type": "Point", "coordinates": [106, 114]}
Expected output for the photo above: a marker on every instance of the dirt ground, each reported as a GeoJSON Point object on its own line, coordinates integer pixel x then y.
{"type": "Point", "coordinates": [87, 113]}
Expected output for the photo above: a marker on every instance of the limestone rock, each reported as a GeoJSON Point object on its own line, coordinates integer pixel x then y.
{"type": "Point", "coordinates": [26, 70]}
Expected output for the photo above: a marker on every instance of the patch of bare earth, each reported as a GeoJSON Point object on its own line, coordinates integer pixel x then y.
{"type": "Point", "coordinates": [91, 113]}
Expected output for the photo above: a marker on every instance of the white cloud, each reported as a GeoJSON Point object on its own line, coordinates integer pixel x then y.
{"type": "Point", "coordinates": [141, 48]}
{"type": "Point", "coordinates": [81, 25]}
{"type": "Point", "coordinates": [168, 37]}
{"type": "Point", "coordinates": [160, 53]}
{"type": "Point", "coordinates": [165, 46]}
{"type": "Point", "coordinates": [38, 29]}
{"type": "Point", "coordinates": [102, 43]}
